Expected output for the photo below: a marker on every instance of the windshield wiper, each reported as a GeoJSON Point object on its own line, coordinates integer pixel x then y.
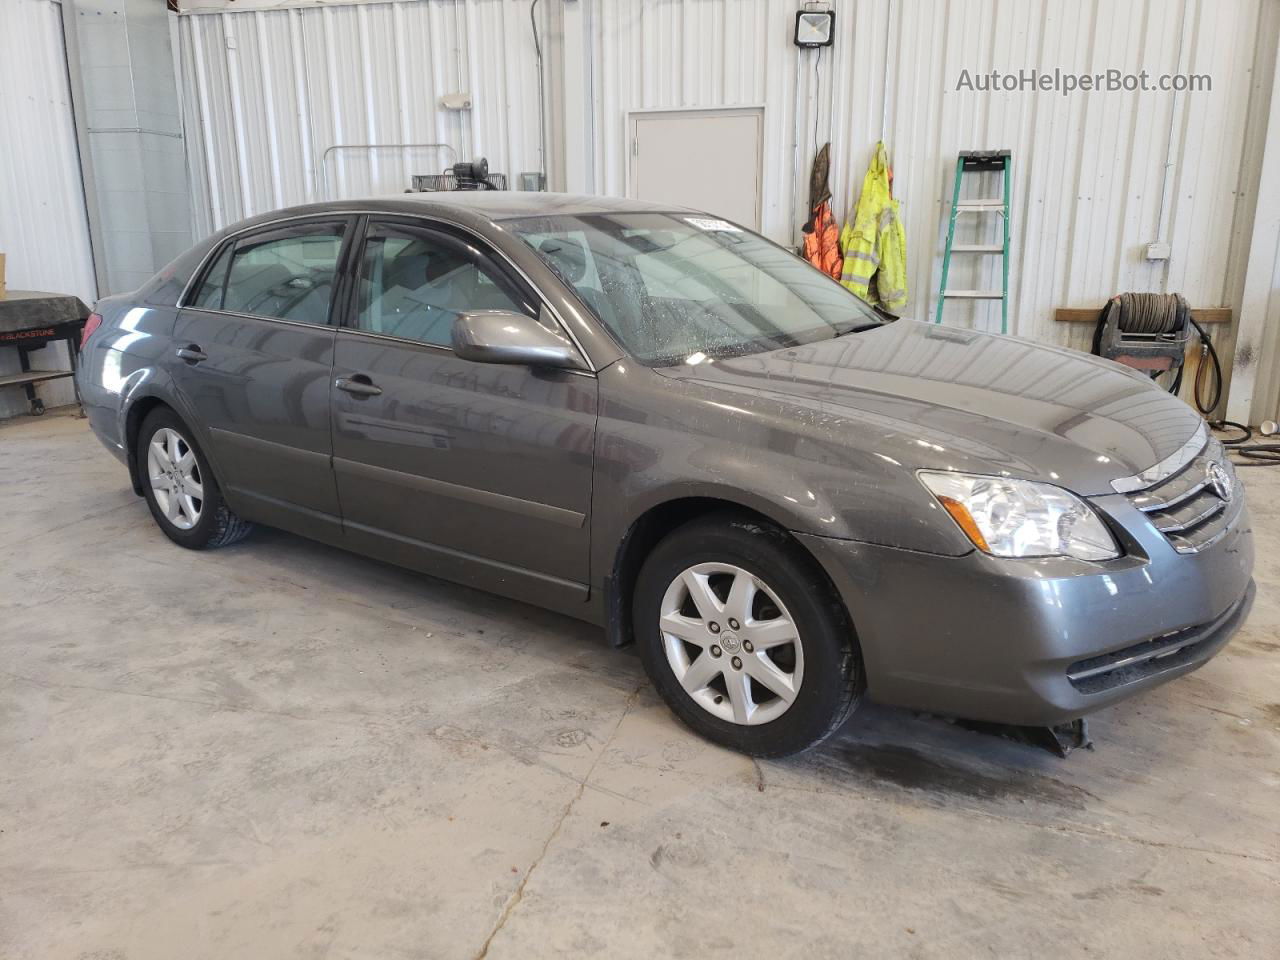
{"type": "Point", "coordinates": [861, 328]}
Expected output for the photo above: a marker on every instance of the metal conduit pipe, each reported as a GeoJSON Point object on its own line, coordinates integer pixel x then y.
{"type": "Point", "coordinates": [324, 158]}
{"type": "Point", "coordinates": [795, 157]}
{"type": "Point", "coordinates": [542, 96]}
{"type": "Point", "coordinates": [884, 82]}
{"type": "Point", "coordinates": [1165, 198]}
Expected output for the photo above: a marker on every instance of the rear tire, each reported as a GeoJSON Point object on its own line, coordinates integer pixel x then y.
{"type": "Point", "coordinates": [745, 638]}
{"type": "Point", "coordinates": [180, 488]}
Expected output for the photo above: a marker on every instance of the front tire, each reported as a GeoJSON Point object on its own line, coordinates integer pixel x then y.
{"type": "Point", "coordinates": [180, 488]}
{"type": "Point", "coordinates": [744, 637]}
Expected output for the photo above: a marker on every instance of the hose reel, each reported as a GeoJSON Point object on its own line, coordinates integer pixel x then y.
{"type": "Point", "coordinates": [1150, 332]}
{"type": "Point", "coordinates": [1146, 331]}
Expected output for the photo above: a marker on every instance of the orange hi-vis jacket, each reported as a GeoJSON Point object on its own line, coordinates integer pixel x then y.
{"type": "Point", "coordinates": [822, 241]}
{"type": "Point", "coordinates": [821, 238]}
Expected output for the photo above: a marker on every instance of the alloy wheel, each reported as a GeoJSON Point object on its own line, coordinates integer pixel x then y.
{"type": "Point", "coordinates": [174, 475]}
{"type": "Point", "coordinates": [731, 643]}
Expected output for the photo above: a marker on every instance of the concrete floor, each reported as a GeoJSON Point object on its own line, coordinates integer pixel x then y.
{"type": "Point", "coordinates": [281, 750]}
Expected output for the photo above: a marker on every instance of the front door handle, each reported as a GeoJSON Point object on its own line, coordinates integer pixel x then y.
{"type": "Point", "coordinates": [192, 354]}
{"type": "Point", "coordinates": [359, 385]}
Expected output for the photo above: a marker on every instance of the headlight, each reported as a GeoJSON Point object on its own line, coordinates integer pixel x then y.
{"type": "Point", "coordinates": [1019, 518]}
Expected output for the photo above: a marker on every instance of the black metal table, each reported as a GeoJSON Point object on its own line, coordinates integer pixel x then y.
{"type": "Point", "coordinates": [30, 320]}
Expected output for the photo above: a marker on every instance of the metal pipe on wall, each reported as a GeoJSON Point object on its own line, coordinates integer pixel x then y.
{"type": "Point", "coordinates": [542, 93]}
{"type": "Point", "coordinates": [1169, 163]}
{"type": "Point", "coordinates": [324, 158]}
{"type": "Point", "coordinates": [884, 82]}
{"type": "Point", "coordinates": [795, 155]}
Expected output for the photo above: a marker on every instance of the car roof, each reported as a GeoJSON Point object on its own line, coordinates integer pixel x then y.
{"type": "Point", "coordinates": [472, 206]}
{"type": "Point", "coordinates": [507, 204]}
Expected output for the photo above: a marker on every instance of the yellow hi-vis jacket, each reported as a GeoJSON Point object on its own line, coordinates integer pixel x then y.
{"type": "Point", "coordinates": [874, 243]}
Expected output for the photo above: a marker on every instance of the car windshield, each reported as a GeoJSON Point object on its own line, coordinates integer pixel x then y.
{"type": "Point", "coordinates": [676, 288]}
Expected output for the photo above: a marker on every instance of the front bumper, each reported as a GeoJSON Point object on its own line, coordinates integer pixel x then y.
{"type": "Point", "coordinates": [1001, 640]}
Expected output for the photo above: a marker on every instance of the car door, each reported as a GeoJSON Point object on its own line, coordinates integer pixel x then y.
{"type": "Point", "coordinates": [254, 361]}
{"type": "Point", "coordinates": [476, 472]}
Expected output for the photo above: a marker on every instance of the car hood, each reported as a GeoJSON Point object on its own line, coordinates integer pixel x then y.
{"type": "Point", "coordinates": [927, 396]}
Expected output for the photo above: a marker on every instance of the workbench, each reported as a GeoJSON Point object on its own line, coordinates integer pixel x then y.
{"type": "Point", "coordinates": [30, 320]}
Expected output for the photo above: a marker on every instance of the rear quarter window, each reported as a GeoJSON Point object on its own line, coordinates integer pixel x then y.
{"type": "Point", "coordinates": [214, 285]}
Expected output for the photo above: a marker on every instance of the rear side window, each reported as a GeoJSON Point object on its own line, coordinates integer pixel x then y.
{"type": "Point", "coordinates": [287, 273]}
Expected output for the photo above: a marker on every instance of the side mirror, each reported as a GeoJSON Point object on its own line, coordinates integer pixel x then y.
{"type": "Point", "coordinates": [503, 336]}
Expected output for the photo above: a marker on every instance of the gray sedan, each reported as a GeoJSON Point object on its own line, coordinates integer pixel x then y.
{"type": "Point", "coordinates": [662, 423]}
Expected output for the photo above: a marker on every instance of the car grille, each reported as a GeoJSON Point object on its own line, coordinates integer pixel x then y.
{"type": "Point", "coordinates": [1150, 657]}
{"type": "Point", "coordinates": [1189, 507]}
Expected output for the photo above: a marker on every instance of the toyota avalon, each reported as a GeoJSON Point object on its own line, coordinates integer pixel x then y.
{"type": "Point", "coordinates": [657, 421]}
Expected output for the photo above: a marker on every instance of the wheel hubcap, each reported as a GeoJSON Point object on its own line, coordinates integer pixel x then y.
{"type": "Point", "coordinates": [175, 478]}
{"type": "Point", "coordinates": [731, 643]}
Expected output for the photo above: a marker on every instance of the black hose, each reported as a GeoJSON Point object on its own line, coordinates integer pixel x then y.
{"type": "Point", "coordinates": [1262, 454]}
{"type": "Point", "coordinates": [1101, 325]}
{"type": "Point", "coordinates": [1206, 348]}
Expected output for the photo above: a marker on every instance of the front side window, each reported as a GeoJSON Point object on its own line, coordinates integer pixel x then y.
{"type": "Point", "coordinates": [414, 283]}
{"type": "Point", "coordinates": [670, 286]}
{"type": "Point", "coordinates": [287, 273]}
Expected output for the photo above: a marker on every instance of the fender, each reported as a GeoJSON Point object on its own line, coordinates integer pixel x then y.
{"type": "Point", "coordinates": [794, 517]}
{"type": "Point", "coordinates": [809, 470]}
{"type": "Point", "coordinates": [154, 383]}
{"type": "Point", "coordinates": [622, 541]}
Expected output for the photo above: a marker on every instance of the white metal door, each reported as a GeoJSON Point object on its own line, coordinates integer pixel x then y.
{"type": "Point", "coordinates": [706, 159]}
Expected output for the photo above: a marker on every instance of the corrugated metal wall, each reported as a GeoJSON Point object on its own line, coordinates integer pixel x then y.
{"type": "Point", "coordinates": [268, 90]}
{"type": "Point", "coordinates": [44, 232]}
{"type": "Point", "coordinates": [1088, 167]}
{"type": "Point", "coordinates": [1267, 403]}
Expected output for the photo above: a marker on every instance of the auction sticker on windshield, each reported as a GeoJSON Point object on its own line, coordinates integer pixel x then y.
{"type": "Point", "coordinates": [706, 223]}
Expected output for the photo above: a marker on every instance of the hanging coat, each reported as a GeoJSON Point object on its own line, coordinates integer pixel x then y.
{"type": "Point", "coordinates": [821, 239]}
{"type": "Point", "coordinates": [875, 245]}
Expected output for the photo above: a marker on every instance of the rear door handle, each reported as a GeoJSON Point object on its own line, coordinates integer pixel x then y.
{"type": "Point", "coordinates": [192, 354]}
{"type": "Point", "coordinates": [358, 385]}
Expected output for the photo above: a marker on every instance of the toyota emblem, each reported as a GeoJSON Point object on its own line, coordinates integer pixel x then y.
{"type": "Point", "coordinates": [1219, 479]}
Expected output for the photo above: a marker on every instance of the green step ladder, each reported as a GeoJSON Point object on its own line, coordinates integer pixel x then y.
{"type": "Point", "coordinates": [979, 162]}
